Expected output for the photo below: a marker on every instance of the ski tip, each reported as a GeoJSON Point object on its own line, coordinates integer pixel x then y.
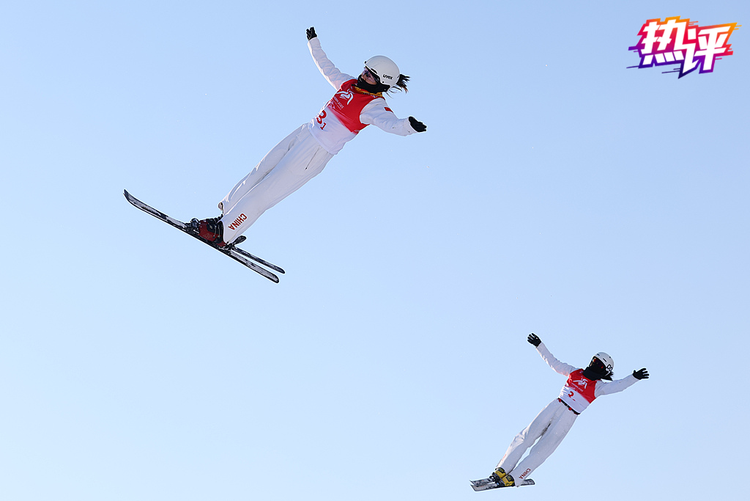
{"type": "Point", "coordinates": [130, 198]}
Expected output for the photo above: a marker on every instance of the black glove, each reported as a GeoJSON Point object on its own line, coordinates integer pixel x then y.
{"type": "Point", "coordinates": [311, 33]}
{"type": "Point", "coordinates": [641, 374]}
{"type": "Point", "coordinates": [534, 339]}
{"type": "Point", "coordinates": [417, 125]}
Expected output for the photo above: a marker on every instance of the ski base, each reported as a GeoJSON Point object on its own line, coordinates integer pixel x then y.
{"type": "Point", "coordinates": [486, 484]}
{"type": "Point", "coordinates": [231, 250]}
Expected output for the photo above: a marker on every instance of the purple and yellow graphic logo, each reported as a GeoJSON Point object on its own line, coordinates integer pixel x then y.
{"type": "Point", "coordinates": [682, 42]}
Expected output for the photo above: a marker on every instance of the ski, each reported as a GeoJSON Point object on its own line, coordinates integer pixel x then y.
{"type": "Point", "coordinates": [485, 484]}
{"type": "Point", "coordinates": [234, 252]}
{"type": "Point", "coordinates": [245, 253]}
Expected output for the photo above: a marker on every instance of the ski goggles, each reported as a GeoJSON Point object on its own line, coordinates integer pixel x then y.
{"type": "Point", "coordinates": [598, 365]}
{"type": "Point", "coordinates": [372, 74]}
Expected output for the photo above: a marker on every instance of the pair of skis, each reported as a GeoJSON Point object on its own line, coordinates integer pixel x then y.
{"type": "Point", "coordinates": [231, 250]}
{"type": "Point", "coordinates": [486, 484]}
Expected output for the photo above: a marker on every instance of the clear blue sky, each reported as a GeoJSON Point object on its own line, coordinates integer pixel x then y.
{"type": "Point", "coordinates": [556, 192]}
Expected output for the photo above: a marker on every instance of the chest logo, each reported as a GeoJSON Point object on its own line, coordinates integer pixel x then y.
{"type": "Point", "coordinates": [345, 95]}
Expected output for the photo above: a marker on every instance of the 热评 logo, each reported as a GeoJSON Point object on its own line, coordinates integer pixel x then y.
{"type": "Point", "coordinates": [681, 42]}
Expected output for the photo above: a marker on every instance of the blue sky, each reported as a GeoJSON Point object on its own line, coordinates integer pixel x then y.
{"type": "Point", "coordinates": [556, 192]}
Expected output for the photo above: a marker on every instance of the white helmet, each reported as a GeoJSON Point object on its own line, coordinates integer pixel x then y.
{"type": "Point", "coordinates": [383, 68]}
{"type": "Point", "coordinates": [607, 361]}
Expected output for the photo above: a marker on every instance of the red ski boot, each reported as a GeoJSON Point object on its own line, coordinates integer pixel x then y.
{"type": "Point", "coordinates": [211, 230]}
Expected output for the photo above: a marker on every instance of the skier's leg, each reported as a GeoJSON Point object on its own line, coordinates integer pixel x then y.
{"type": "Point", "coordinates": [561, 423]}
{"type": "Point", "coordinates": [256, 175]}
{"type": "Point", "coordinates": [526, 438]}
{"type": "Point", "coordinates": [303, 162]}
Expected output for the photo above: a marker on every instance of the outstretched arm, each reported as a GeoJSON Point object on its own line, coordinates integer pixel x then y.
{"type": "Point", "coordinates": [604, 388]}
{"type": "Point", "coordinates": [557, 366]}
{"type": "Point", "coordinates": [335, 77]}
{"type": "Point", "coordinates": [377, 113]}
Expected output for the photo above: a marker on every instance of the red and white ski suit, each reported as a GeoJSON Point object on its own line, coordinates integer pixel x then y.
{"type": "Point", "coordinates": [305, 152]}
{"type": "Point", "coordinates": [554, 421]}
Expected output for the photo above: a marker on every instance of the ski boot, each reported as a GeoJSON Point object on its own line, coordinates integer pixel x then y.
{"type": "Point", "coordinates": [501, 478]}
{"type": "Point", "coordinates": [211, 230]}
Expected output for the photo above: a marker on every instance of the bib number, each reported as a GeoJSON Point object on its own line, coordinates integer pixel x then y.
{"type": "Point", "coordinates": [320, 118]}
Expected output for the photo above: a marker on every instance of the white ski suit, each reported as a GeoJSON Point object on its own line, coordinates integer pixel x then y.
{"type": "Point", "coordinates": [554, 421]}
{"type": "Point", "coordinates": [305, 152]}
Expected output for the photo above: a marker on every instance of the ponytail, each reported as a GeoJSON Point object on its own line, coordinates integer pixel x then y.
{"type": "Point", "coordinates": [401, 84]}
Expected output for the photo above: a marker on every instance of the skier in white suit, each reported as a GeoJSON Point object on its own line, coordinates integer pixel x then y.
{"type": "Point", "coordinates": [555, 420]}
{"type": "Point", "coordinates": [303, 154]}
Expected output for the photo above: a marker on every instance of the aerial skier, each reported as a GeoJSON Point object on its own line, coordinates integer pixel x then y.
{"type": "Point", "coordinates": [554, 421]}
{"type": "Point", "coordinates": [303, 154]}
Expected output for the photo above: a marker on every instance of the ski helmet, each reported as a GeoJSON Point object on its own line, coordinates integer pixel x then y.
{"type": "Point", "coordinates": [603, 364]}
{"type": "Point", "coordinates": [384, 69]}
